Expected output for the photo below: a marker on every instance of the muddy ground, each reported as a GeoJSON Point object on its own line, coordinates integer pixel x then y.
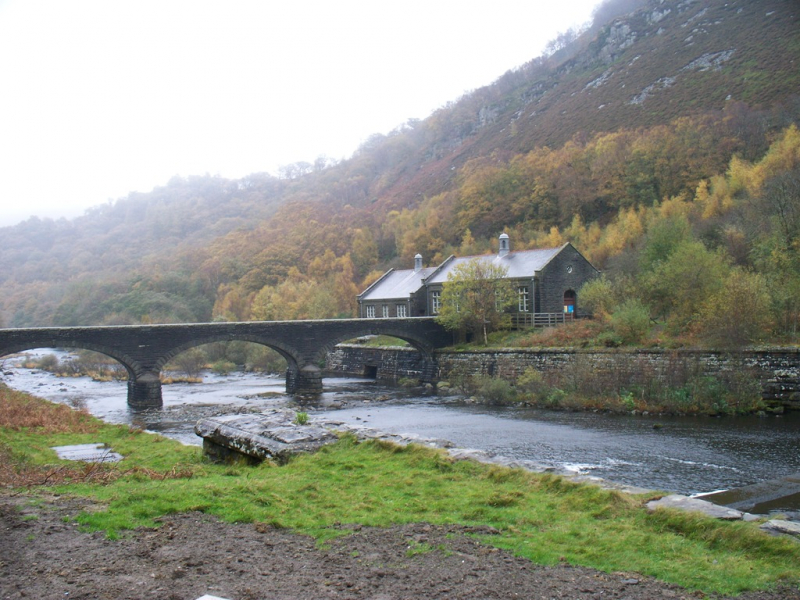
{"type": "Point", "coordinates": [43, 555]}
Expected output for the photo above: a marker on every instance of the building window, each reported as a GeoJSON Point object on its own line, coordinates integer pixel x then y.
{"type": "Point", "coordinates": [436, 302]}
{"type": "Point", "coordinates": [401, 311]}
{"type": "Point", "coordinates": [370, 311]}
{"type": "Point", "coordinates": [385, 311]}
{"type": "Point", "coordinates": [523, 296]}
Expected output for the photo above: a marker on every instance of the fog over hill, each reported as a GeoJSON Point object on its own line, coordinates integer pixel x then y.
{"type": "Point", "coordinates": [652, 100]}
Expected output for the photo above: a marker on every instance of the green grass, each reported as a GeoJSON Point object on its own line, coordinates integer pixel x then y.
{"type": "Point", "coordinates": [542, 517]}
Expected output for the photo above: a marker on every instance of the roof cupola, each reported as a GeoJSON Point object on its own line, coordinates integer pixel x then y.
{"type": "Point", "coordinates": [505, 245]}
{"type": "Point", "coordinates": [418, 263]}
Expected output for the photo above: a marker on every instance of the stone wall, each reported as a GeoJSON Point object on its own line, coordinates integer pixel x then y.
{"type": "Point", "coordinates": [778, 369]}
{"type": "Point", "coordinates": [387, 364]}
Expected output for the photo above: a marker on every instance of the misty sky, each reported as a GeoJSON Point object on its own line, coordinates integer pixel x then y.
{"type": "Point", "coordinates": [103, 97]}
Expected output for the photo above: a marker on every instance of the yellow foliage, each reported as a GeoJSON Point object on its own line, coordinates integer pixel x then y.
{"type": "Point", "coordinates": [576, 230]}
{"type": "Point", "coordinates": [677, 206]}
{"type": "Point", "coordinates": [740, 176]}
{"type": "Point", "coordinates": [713, 198]}
{"type": "Point", "coordinates": [230, 304]}
{"type": "Point", "coordinates": [552, 239]}
{"type": "Point", "coordinates": [783, 156]}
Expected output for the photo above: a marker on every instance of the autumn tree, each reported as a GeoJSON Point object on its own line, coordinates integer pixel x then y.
{"type": "Point", "coordinates": [191, 362]}
{"type": "Point", "coordinates": [739, 313]}
{"type": "Point", "coordinates": [598, 297]}
{"type": "Point", "coordinates": [475, 298]}
{"type": "Point", "coordinates": [364, 252]}
{"type": "Point", "coordinates": [677, 288]}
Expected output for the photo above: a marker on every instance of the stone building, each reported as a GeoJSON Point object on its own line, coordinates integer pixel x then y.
{"type": "Point", "coordinates": [547, 282]}
{"type": "Point", "coordinates": [398, 293]}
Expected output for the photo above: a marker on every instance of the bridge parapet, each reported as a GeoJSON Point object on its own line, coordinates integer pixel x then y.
{"type": "Point", "coordinates": [145, 349]}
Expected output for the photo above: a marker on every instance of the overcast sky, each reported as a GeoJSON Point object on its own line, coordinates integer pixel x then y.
{"type": "Point", "coordinates": [103, 97]}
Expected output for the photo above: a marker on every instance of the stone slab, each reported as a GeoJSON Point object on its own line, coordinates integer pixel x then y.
{"type": "Point", "coordinates": [87, 453]}
{"type": "Point", "coordinates": [264, 436]}
{"type": "Point", "coordinates": [762, 497]}
{"type": "Point", "coordinates": [679, 502]}
{"type": "Point", "coordinates": [274, 435]}
{"type": "Point", "coordinates": [780, 526]}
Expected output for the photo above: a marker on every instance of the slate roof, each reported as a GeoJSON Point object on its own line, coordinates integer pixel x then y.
{"type": "Point", "coordinates": [395, 285]}
{"type": "Point", "coordinates": [520, 264]}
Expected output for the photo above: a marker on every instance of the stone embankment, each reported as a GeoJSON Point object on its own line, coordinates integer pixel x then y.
{"type": "Point", "coordinates": [777, 369]}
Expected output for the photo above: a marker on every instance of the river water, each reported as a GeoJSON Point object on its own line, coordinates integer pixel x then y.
{"type": "Point", "coordinates": [682, 454]}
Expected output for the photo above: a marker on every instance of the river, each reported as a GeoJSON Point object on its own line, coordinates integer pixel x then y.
{"type": "Point", "coordinates": [682, 454]}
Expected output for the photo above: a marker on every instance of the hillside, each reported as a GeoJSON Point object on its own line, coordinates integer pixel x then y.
{"type": "Point", "coordinates": [641, 108]}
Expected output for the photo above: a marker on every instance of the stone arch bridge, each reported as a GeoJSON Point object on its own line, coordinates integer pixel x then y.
{"type": "Point", "coordinates": [144, 349]}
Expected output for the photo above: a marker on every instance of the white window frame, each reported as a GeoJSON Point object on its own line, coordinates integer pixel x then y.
{"type": "Point", "coordinates": [523, 295]}
{"type": "Point", "coordinates": [385, 311]}
{"type": "Point", "coordinates": [370, 311]}
{"type": "Point", "coordinates": [402, 313]}
{"type": "Point", "coordinates": [436, 302]}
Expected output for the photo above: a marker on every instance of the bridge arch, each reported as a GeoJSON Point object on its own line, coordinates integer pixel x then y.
{"type": "Point", "coordinates": [289, 354]}
{"type": "Point", "coordinates": [376, 328]}
{"type": "Point", "coordinates": [387, 327]}
{"type": "Point", "coordinates": [126, 361]}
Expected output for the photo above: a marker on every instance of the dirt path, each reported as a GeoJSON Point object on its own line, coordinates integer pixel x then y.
{"type": "Point", "coordinates": [44, 556]}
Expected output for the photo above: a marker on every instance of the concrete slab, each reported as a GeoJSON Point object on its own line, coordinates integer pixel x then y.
{"type": "Point", "coordinates": [87, 453]}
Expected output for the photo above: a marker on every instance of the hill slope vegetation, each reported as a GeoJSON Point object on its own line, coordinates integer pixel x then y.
{"type": "Point", "coordinates": [661, 136]}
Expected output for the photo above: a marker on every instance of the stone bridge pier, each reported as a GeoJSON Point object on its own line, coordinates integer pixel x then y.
{"type": "Point", "coordinates": [307, 380]}
{"type": "Point", "coordinates": [145, 350]}
{"type": "Point", "coordinates": [144, 390]}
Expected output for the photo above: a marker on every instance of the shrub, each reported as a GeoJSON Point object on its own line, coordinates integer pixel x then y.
{"type": "Point", "coordinates": [631, 321]}
{"type": "Point", "coordinates": [740, 313]}
{"type": "Point", "coordinates": [49, 362]}
{"type": "Point", "coordinates": [407, 382]}
{"type": "Point", "coordinates": [223, 367]}
{"type": "Point", "coordinates": [532, 384]}
{"type": "Point", "coordinates": [496, 391]}
{"type": "Point", "coordinates": [597, 296]}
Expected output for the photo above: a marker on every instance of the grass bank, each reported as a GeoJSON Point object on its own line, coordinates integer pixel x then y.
{"type": "Point", "coordinates": [542, 517]}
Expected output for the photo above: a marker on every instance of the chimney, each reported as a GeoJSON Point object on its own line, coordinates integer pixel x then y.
{"type": "Point", "coordinates": [505, 247]}
{"type": "Point", "coordinates": [418, 263]}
